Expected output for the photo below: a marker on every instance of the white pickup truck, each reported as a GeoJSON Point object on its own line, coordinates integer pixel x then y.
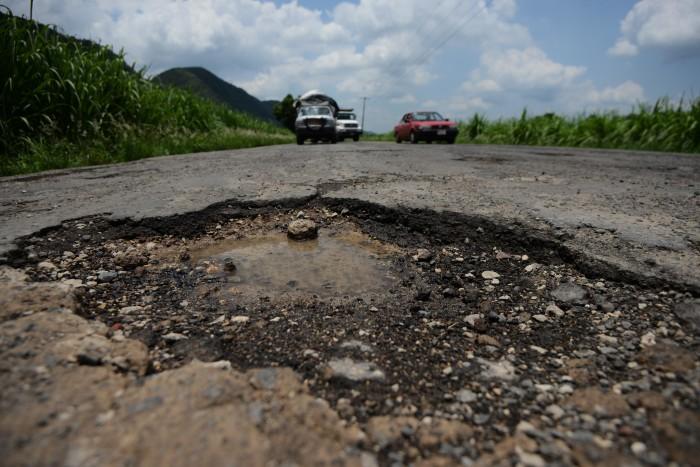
{"type": "Point", "coordinates": [316, 117]}
{"type": "Point", "coordinates": [347, 125]}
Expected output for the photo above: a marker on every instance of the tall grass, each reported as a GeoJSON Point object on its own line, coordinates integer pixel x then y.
{"type": "Point", "coordinates": [664, 126]}
{"type": "Point", "coordinates": [66, 102]}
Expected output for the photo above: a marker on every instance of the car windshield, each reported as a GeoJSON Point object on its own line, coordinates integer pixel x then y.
{"type": "Point", "coordinates": [313, 110]}
{"type": "Point", "coordinates": [347, 117]}
{"type": "Point", "coordinates": [427, 116]}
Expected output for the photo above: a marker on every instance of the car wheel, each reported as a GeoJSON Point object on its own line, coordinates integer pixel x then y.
{"type": "Point", "coordinates": [412, 138]}
{"type": "Point", "coordinates": [356, 138]}
{"type": "Point", "coordinates": [430, 141]}
{"type": "Point", "coordinates": [397, 138]}
{"type": "Point", "coordinates": [451, 141]}
{"type": "Point", "coordinates": [300, 140]}
{"type": "Point", "coordinates": [334, 139]}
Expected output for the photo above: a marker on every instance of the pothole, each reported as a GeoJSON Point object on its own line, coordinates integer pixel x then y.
{"type": "Point", "coordinates": [397, 313]}
{"type": "Point", "coordinates": [337, 263]}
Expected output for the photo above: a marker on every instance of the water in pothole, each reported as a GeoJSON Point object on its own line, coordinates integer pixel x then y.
{"type": "Point", "coordinates": [348, 263]}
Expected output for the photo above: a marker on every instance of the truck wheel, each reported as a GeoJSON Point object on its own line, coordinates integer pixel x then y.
{"type": "Point", "coordinates": [356, 138]}
{"type": "Point", "coordinates": [300, 140]}
{"type": "Point", "coordinates": [412, 138]}
{"type": "Point", "coordinates": [334, 139]}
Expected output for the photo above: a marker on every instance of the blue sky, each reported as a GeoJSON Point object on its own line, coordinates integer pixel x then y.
{"type": "Point", "coordinates": [494, 57]}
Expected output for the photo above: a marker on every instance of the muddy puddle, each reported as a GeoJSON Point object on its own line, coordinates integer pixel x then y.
{"type": "Point", "coordinates": [347, 263]}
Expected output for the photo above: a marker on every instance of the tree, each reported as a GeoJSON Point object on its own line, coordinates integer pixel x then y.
{"type": "Point", "coordinates": [285, 112]}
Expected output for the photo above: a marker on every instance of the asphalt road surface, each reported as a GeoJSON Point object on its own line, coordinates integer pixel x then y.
{"type": "Point", "coordinates": [637, 212]}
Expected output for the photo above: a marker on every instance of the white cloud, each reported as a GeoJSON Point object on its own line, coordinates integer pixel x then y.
{"type": "Point", "coordinates": [520, 69]}
{"type": "Point", "coordinates": [623, 47]}
{"type": "Point", "coordinates": [530, 75]}
{"type": "Point", "coordinates": [405, 99]}
{"type": "Point", "coordinates": [671, 25]}
{"type": "Point", "coordinates": [628, 92]}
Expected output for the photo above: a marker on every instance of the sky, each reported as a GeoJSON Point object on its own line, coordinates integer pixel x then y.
{"type": "Point", "coordinates": [458, 57]}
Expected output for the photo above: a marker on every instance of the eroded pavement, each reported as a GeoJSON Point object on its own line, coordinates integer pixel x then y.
{"type": "Point", "coordinates": [462, 305]}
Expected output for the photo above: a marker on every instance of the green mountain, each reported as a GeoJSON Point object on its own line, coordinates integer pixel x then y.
{"type": "Point", "coordinates": [206, 84]}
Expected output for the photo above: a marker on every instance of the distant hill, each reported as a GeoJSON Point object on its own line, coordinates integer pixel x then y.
{"type": "Point", "coordinates": [206, 84]}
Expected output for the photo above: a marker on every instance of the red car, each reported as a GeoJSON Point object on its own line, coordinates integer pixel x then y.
{"type": "Point", "coordinates": [425, 126]}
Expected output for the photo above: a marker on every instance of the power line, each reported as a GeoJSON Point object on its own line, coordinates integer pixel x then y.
{"type": "Point", "coordinates": [417, 60]}
{"type": "Point", "coordinates": [427, 55]}
{"type": "Point", "coordinates": [406, 61]}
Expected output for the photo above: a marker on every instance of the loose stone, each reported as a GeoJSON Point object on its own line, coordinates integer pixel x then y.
{"type": "Point", "coordinates": [302, 229]}
{"type": "Point", "coordinates": [569, 293]}
{"type": "Point", "coordinates": [350, 370]}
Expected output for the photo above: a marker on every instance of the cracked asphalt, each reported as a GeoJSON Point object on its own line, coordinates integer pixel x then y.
{"type": "Point", "coordinates": [637, 212]}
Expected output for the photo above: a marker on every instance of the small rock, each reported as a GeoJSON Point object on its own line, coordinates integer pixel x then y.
{"type": "Point", "coordinates": [471, 320]}
{"type": "Point", "coordinates": [566, 389]}
{"type": "Point", "coordinates": [106, 276]}
{"type": "Point", "coordinates": [229, 265]}
{"type": "Point", "coordinates": [240, 319]}
{"type": "Point", "coordinates": [130, 310]}
{"type": "Point", "coordinates": [638, 448]}
{"type": "Point", "coordinates": [554, 310]}
{"type": "Point", "coordinates": [350, 370]}
{"type": "Point", "coordinates": [174, 337]}
{"type": "Point", "coordinates": [540, 318]}
{"type": "Point", "coordinates": [355, 344]}
{"type": "Point", "coordinates": [490, 275]}
{"type": "Point", "coordinates": [569, 293]}
{"type": "Point", "coordinates": [74, 283]}
{"type": "Point", "coordinates": [130, 260]}
{"type": "Point", "coordinates": [302, 229]}
{"type": "Point", "coordinates": [555, 411]}
{"type": "Point", "coordinates": [484, 339]}
{"type": "Point", "coordinates": [46, 266]}
{"type": "Point", "coordinates": [532, 267]}
{"type": "Point", "coordinates": [502, 370]}
{"type": "Point", "coordinates": [310, 353]}
{"type": "Point", "coordinates": [422, 255]}
{"type": "Point", "coordinates": [648, 340]}
{"type": "Point", "coordinates": [530, 460]}
{"type": "Point", "coordinates": [466, 396]}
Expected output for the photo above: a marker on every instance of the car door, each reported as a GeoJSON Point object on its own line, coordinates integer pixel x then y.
{"type": "Point", "coordinates": [404, 128]}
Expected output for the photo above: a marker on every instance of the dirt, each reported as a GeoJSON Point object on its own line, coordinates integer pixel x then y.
{"type": "Point", "coordinates": [483, 356]}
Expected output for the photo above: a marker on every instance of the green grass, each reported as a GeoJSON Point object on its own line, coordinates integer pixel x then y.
{"type": "Point", "coordinates": [66, 102]}
{"type": "Point", "coordinates": [662, 127]}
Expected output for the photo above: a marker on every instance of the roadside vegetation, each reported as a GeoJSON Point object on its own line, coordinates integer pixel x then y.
{"type": "Point", "coordinates": [66, 102]}
{"type": "Point", "coordinates": [664, 126]}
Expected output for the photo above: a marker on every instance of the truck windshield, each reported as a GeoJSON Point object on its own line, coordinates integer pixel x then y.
{"type": "Point", "coordinates": [347, 117]}
{"type": "Point", "coordinates": [313, 110]}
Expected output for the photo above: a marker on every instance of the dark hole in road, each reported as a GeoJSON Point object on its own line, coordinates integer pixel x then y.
{"type": "Point", "coordinates": [475, 328]}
